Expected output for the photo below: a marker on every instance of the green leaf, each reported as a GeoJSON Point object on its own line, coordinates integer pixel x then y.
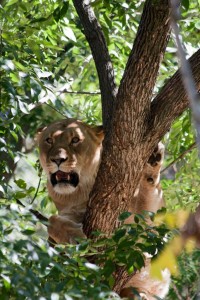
{"type": "Point", "coordinates": [197, 25]}
{"type": "Point", "coordinates": [124, 216]}
{"type": "Point", "coordinates": [83, 246]}
{"type": "Point", "coordinates": [69, 33]}
{"type": "Point", "coordinates": [23, 107]}
{"type": "Point", "coordinates": [28, 231]}
{"type": "Point", "coordinates": [136, 219]}
{"type": "Point", "coordinates": [11, 2]}
{"type": "Point", "coordinates": [20, 195]}
{"type": "Point", "coordinates": [6, 281]}
{"type": "Point", "coordinates": [58, 13]}
{"type": "Point", "coordinates": [119, 234]}
{"type": "Point", "coordinates": [20, 183]}
{"type": "Point", "coordinates": [139, 260]}
{"type": "Point", "coordinates": [186, 4]}
{"type": "Point", "coordinates": [14, 135]}
{"type": "Point", "coordinates": [109, 268]}
{"type": "Point", "coordinates": [8, 231]}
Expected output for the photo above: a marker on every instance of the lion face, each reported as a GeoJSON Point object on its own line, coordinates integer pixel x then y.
{"type": "Point", "coordinates": [70, 154]}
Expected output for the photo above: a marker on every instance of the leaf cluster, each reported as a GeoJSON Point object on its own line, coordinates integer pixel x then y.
{"type": "Point", "coordinates": [31, 269]}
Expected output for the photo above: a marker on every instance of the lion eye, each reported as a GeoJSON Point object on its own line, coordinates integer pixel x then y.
{"type": "Point", "coordinates": [49, 141]}
{"type": "Point", "coordinates": [75, 140]}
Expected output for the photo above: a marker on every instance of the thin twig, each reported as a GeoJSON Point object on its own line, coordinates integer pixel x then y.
{"type": "Point", "coordinates": [176, 291]}
{"type": "Point", "coordinates": [38, 215]}
{"type": "Point", "coordinates": [80, 93]}
{"type": "Point", "coordinates": [38, 186]}
{"type": "Point", "coordinates": [55, 110]}
{"type": "Point", "coordinates": [33, 106]}
{"type": "Point", "coordinates": [192, 146]}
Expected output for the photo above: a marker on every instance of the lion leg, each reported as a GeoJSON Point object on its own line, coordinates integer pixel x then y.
{"type": "Point", "coordinates": [148, 197]}
{"type": "Point", "coordinates": [149, 194]}
{"type": "Point", "coordinates": [62, 230]}
{"type": "Point", "coordinates": [147, 287]}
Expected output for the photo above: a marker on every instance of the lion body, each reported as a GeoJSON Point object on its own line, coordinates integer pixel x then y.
{"type": "Point", "coordinates": [60, 157]}
{"type": "Point", "coordinates": [70, 154]}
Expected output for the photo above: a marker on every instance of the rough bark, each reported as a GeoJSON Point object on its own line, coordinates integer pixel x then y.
{"type": "Point", "coordinates": [97, 42]}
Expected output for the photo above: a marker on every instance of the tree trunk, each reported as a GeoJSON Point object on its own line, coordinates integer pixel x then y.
{"type": "Point", "coordinates": [125, 149]}
{"type": "Point", "coordinates": [133, 124]}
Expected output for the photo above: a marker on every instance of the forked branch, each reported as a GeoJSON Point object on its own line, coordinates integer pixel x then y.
{"type": "Point", "coordinates": [97, 43]}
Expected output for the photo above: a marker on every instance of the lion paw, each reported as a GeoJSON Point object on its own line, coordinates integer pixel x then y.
{"type": "Point", "coordinates": [157, 156]}
{"type": "Point", "coordinates": [151, 172]}
{"type": "Point", "coordinates": [62, 230]}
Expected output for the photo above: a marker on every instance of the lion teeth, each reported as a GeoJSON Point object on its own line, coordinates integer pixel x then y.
{"type": "Point", "coordinates": [64, 176]}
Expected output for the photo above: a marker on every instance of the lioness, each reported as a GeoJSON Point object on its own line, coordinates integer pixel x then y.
{"type": "Point", "coordinates": [70, 153]}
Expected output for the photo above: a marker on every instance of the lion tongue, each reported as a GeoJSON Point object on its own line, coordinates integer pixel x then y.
{"type": "Point", "coordinates": [62, 176]}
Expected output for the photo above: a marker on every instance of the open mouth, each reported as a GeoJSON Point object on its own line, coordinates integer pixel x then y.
{"type": "Point", "coordinates": [71, 178]}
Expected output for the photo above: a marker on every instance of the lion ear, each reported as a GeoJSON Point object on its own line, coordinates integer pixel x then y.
{"type": "Point", "coordinates": [38, 133]}
{"type": "Point", "coordinates": [99, 132]}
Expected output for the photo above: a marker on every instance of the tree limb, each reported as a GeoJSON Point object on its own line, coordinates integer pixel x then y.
{"type": "Point", "coordinates": [190, 148]}
{"type": "Point", "coordinates": [185, 70]}
{"type": "Point", "coordinates": [141, 71]}
{"type": "Point", "coordinates": [79, 92]}
{"type": "Point", "coordinates": [36, 213]}
{"type": "Point", "coordinates": [192, 227]}
{"type": "Point", "coordinates": [97, 42]}
{"type": "Point", "coordinates": [171, 101]}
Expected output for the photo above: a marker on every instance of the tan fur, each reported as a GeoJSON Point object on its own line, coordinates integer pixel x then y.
{"type": "Point", "coordinates": [59, 153]}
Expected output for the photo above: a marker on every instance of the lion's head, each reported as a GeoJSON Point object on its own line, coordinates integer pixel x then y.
{"type": "Point", "coordinates": [70, 154]}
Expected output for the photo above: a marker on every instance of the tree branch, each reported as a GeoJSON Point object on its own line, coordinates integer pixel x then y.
{"type": "Point", "coordinates": [36, 213]}
{"type": "Point", "coordinates": [185, 70]}
{"type": "Point", "coordinates": [190, 148]}
{"type": "Point", "coordinates": [171, 101]}
{"type": "Point", "coordinates": [79, 92]}
{"type": "Point", "coordinates": [97, 42]}
{"type": "Point", "coordinates": [192, 227]}
{"type": "Point", "coordinates": [140, 75]}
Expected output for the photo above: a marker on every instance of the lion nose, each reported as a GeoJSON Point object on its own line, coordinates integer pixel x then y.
{"type": "Point", "coordinates": [61, 156]}
{"type": "Point", "coordinates": [58, 161]}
